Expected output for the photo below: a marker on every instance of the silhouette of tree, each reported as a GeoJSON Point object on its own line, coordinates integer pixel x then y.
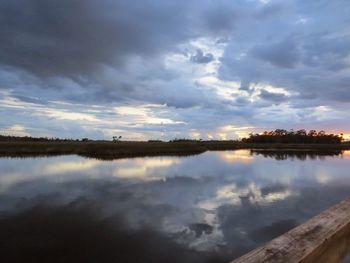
{"type": "Point", "coordinates": [300, 136]}
{"type": "Point", "coordinates": [117, 138]}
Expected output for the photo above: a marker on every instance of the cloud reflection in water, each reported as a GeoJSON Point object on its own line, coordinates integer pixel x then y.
{"type": "Point", "coordinates": [205, 208]}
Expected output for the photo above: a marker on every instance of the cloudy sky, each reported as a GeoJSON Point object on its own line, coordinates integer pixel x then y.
{"type": "Point", "coordinates": [162, 69]}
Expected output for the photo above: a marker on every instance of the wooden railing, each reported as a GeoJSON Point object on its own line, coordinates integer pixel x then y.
{"type": "Point", "coordinates": [324, 238]}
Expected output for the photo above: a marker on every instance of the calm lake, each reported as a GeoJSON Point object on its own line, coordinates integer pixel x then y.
{"type": "Point", "coordinates": [211, 207]}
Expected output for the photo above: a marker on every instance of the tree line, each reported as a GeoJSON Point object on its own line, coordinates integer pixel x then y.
{"type": "Point", "coordinates": [291, 136]}
{"type": "Point", "coordinates": [9, 138]}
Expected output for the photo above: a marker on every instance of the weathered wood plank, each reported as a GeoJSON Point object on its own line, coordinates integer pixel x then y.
{"type": "Point", "coordinates": [307, 242]}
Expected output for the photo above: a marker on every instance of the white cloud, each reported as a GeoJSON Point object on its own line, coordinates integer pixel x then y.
{"type": "Point", "coordinates": [15, 130]}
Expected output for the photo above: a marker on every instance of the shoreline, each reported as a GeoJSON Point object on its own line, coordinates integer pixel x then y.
{"type": "Point", "coordinates": [107, 150]}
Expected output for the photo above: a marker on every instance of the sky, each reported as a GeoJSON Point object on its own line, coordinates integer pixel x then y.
{"type": "Point", "coordinates": [165, 69]}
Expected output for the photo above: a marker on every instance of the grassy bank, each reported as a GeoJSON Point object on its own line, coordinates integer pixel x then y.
{"type": "Point", "coordinates": [115, 150]}
{"type": "Point", "coordinates": [99, 150]}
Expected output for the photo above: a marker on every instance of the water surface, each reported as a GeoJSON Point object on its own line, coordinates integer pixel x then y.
{"type": "Point", "coordinates": [211, 207]}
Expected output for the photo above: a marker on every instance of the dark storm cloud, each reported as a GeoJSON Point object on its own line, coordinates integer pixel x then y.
{"type": "Point", "coordinates": [272, 96]}
{"type": "Point", "coordinates": [271, 10]}
{"type": "Point", "coordinates": [202, 58]}
{"type": "Point", "coordinates": [282, 54]}
{"type": "Point", "coordinates": [220, 16]}
{"type": "Point", "coordinates": [330, 53]}
{"type": "Point", "coordinates": [75, 37]}
{"type": "Point", "coordinates": [111, 52]}
{"type": "Point", "coordinates": [63, 37]}
{"type": "Point", "coordinates": [306, 51]}
{"type": "Point", "coordinates": [106, 51]}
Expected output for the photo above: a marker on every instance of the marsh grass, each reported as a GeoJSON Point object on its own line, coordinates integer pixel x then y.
{"type": "Point", "coordinates": [114, 150]}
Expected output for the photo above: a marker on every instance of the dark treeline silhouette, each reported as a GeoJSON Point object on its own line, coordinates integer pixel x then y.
{"type": "Point", "coordinates": [8, 138]}
{"type": "Point", "coordinates": [300, 136]}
